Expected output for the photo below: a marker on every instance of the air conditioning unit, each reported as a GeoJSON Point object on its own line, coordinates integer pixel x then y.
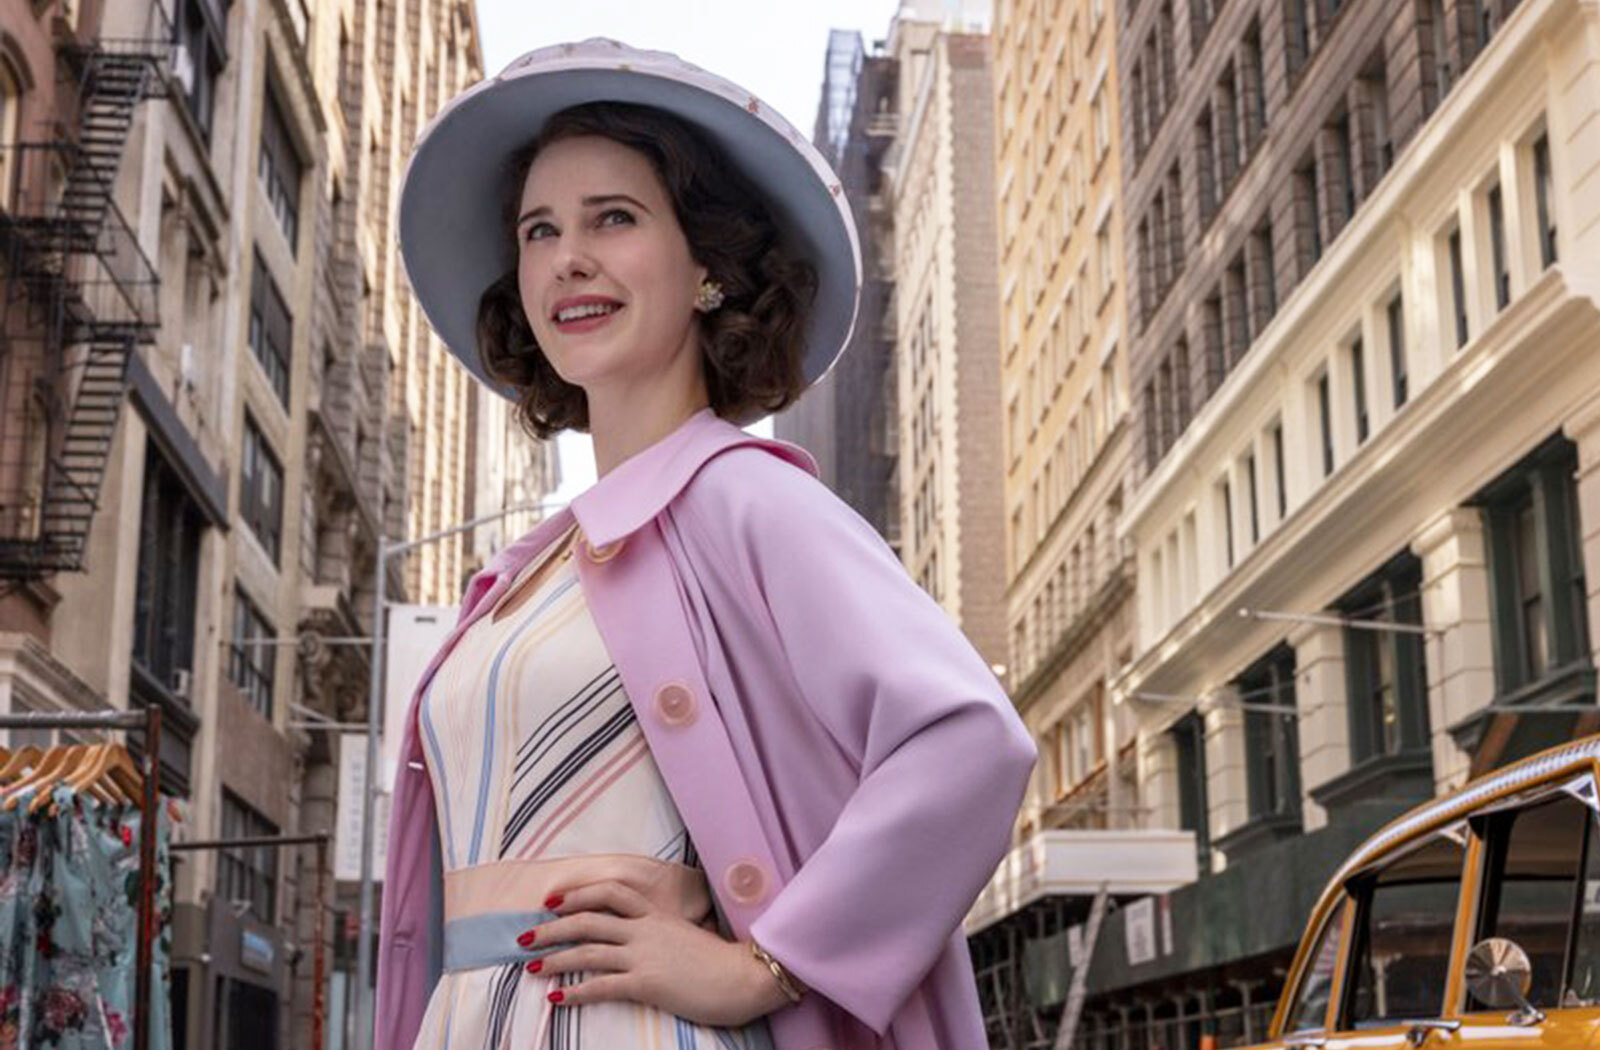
{"type": "Point", "coordinates": [180, 683]}
{"type": "Point", "coordinates": [183, 67]}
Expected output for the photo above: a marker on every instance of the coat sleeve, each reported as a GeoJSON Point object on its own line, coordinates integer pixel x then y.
{"type": "Point", "coordinates": [944, 760]}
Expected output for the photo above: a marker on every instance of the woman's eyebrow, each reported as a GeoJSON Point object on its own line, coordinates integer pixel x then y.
{"type": "Point", "coordinates": [588, 202]}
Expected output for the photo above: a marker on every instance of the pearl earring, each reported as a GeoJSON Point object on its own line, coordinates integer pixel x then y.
{"type": "Point", "coordinates": [708, 297]}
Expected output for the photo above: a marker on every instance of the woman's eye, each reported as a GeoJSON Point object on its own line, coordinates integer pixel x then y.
{"type": "Point", "coordinates": [614, 217]}
{"type": "Point", "coordinates": [538, 231]}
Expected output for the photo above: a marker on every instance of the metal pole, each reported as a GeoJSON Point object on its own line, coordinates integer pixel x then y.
{"type": "Point", "coordinates": [364, 929]}
{"type": "Point", "coordinates": [144, 953]}
{"type": "Point", "coordinates": [386, 550]}
{"type": "Point", "coordinates": [1337, 621]}
{"type": "Point", "coordinates": [317, 965]}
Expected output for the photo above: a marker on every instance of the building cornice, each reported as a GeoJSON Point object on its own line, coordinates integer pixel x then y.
{"type": "Point", "coordinates": [1510, 362]}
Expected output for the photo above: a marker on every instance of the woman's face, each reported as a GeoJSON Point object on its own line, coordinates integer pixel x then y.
{"type": "Point", "coordinates": [604, 269]}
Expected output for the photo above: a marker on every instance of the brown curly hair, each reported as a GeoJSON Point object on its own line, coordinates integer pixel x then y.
{"type": "Point", "coordinates": [753, 346]}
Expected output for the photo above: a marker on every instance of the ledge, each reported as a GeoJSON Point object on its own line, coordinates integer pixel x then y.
{"type": "Point", "coordinates": [1257, 833]}
{"type": "Point", "coordinates": [1405, 777]}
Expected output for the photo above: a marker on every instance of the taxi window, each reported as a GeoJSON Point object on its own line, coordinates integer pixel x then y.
{"type": "Point", "coordinates": [1583, 986]}
{"type": "Point", "coordinates": [1405, 914]}
{"type": "Point", "coordinates": [1311, 1002]}
{"type": "Point", "coordinates": [1532, 888]}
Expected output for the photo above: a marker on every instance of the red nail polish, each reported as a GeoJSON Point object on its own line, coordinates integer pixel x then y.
{"type": "Point", "coordinates": [526, 940]}
{"type": "Point", "coordinates": [556, 996]}
{"type": "Point", "coordinates": [536, 966]}
{"type": "Point", "coordinates": [554, 900]}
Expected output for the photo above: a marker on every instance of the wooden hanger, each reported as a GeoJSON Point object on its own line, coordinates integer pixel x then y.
{"type": "Point", "coordinates": [20, 762]}
{"type": "Point", "coordinates": [79, 757]}
{"type": "Point", "coordinates": [55, 760]}
{"type": "Point", "coordinates": [89, 777]}
{"type": "Point", "coordinates": [111, 774]}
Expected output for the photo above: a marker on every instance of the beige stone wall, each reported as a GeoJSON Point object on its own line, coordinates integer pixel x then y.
{"type": "Point", "coordinates": [1526, 374]}
{"type": "Point", "coordinates": [1063, 431]}
{"type": "Point", "coordinates": [940, 169]}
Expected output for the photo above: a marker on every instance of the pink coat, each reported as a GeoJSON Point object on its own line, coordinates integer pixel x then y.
{"type": "Point", "coordinates": [847, 766]}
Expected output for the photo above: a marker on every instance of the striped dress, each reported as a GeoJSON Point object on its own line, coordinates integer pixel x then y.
{"type": "Point", "coordinates": [534, 753]}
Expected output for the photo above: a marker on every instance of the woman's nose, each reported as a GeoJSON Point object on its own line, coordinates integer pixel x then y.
{"type": "Point", "coordinates": [571, 261]}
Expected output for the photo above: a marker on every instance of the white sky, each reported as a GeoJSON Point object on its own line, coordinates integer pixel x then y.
{"type": "Point", "coordinates": [776, 50]}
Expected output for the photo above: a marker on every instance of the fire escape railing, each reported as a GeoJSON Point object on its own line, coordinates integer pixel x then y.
{"type": "Point", "coordinates": [79, 296]}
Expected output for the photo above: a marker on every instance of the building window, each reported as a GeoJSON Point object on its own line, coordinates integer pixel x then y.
{"type": "Point", "coordinates": [1103, 253]}
{"type": "Point", "coordinates": [1375, 86]}
{"type": "Point", "coordinates": [1278, 470]}
{"type": "Point", "coordinates": [252, 661]}
{"type": "Point", "coordinates": [1384, 670]}
{"type": "Point", "coordinates": [1458, 288]}
{"type": "Point", "coordinates": [1225, 508]}
{"type": "Point", "coordinates": [1272, 737]}
{"type": "Point", "coordinates": [1255, 503]}
{"type": "Point", "coordinates": [279, 168]}
{"type": "Point", "coordinates": [1497, 249]}
{"type": "Point", "coordinates": [10, 126]}
{"type": "Point", "coordinates": [1358, 382]}
{"type": "Point", "coordinates": [248, 874]}
{"type": "Point", "coordinates": [271, 330]}
{"type": "Point", "coordinates": [1299, 33]}
{"type": "Point", "coordinates": [1441, 47]}
{"type": "Point", "coordinates": [200, 57]}
{"type": "Point", "coordinates": [1345, 176]}
{"type": "Point", "coordinates": [1541, 194]}
{"type": "Point", "coordinates": [1308, 206]}
{"type": "Point", "coordinates": [1189, 737]}
{"type": "Point", "coordinates": [1538, 606]}
{"type": "Point", "coordinates": [1256, 86]}
{"type": "Point", "coordinates": [261, 489]}
{"type": "Point", "coordinates": [170, 527]}
{"type": "Point", "coordinates": [1102, 124]}
{"type": "Point", "coordinates": [1325, 418]}
{"type": "Point", "coordinates": [1397, 350]}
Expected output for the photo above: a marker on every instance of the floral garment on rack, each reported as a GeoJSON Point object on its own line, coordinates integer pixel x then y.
{"type": "Point", "coordinates": [69, 928]}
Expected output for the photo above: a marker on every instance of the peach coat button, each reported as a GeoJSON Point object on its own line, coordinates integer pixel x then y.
{"type": "Point", "coordinates": [745, 881]}
{"type": "Point", "coordinates": [676, 704]}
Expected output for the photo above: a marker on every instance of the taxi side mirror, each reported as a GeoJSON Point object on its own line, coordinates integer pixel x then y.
{"type": "Point", "coordinates": [1499, 974]}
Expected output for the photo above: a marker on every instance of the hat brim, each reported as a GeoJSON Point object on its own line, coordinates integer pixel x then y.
{"type": "Point", "coordinates": [452, 235]}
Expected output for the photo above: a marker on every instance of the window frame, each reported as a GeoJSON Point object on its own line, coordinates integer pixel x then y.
{"type": "Point", "coordinates": [1358, 888]}
{"type": "Point", "coordinates": [254, 673]}
{"type": "Point", "coordinates": [255, 868]}
{"type": "Point", "coordinates": [280, 170]}
{"type": "Point", "coordinates": [262, 513]}
{"type": "Point", "coordinates": [270, 329]}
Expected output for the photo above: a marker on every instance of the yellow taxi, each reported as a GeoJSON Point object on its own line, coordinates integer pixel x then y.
{"type": "Point", "coordinates": [1470, 923]}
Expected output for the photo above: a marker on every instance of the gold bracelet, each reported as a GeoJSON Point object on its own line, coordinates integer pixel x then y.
{"type": "Point", "coordinates": [792, 989]}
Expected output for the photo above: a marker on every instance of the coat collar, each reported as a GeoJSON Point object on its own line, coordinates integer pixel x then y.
{"type": "Point", "coordinates": [640, 487]}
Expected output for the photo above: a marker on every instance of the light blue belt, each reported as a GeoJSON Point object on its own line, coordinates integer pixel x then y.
{"type": "Point", "coordinates": [490, 939]}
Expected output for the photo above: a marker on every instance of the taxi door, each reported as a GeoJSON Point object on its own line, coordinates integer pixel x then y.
{"type": "Point", "coordinates": [1538, 887]}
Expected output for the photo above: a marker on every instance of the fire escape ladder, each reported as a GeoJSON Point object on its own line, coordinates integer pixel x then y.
{"type": "Point", "coordinates": [88, 294]}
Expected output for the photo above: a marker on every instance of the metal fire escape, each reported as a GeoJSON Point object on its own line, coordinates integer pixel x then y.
{"type": "Point", "coordinates": [79, 297]}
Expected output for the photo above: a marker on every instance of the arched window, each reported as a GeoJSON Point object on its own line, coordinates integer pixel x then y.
{"type": "Point", "coordinates": [11, 82]}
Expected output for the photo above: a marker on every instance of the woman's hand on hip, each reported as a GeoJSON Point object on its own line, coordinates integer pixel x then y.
{"type": "Point", "coordinates": [633, 951]}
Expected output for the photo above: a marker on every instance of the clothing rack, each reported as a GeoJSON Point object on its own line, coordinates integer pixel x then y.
{"type": "Point", "coordinates": [150, 720]}
{"type": "Point", "coordinates": [319, 839]}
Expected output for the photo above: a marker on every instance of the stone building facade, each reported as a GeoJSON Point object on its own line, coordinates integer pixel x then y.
{"type": "Point", "coordinates": [180, 529]}
{"type": "Point", "coordinates": [847, 420]}
{"type": "Point", "coordinates": [941, 166]}
{"type": "Point", "coordinates": [1361, 264]}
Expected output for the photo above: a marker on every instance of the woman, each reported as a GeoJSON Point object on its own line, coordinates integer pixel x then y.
{"type": "Point", "coordinates": [700, 766]}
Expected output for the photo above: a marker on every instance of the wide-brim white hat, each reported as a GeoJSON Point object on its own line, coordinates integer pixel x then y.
{"type": "Point", "coordinates": [453, 237]}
